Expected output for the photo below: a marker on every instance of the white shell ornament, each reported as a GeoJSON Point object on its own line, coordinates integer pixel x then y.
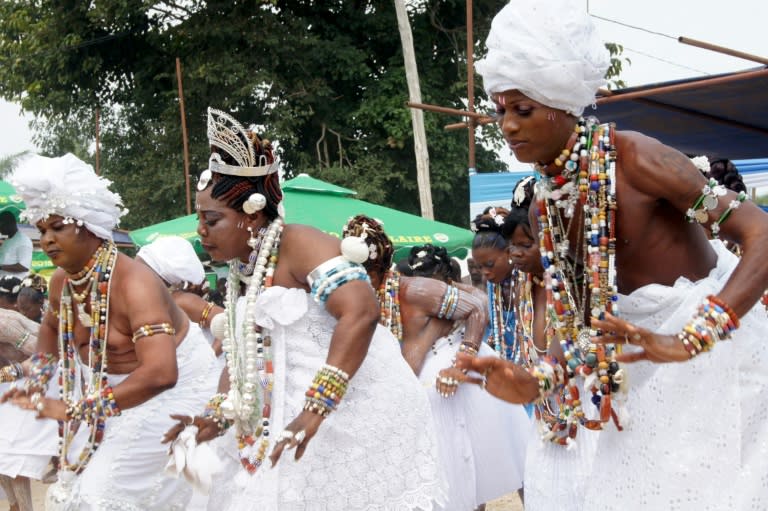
{"type": "Point", "coordinates": [219, 326]}
{"type": "Point", "coordinates": [354, 249]}
{"type": "Point", "coordinates": [205, 178]}
{"type": "Point", "coordinates": [256, 202]}
{"type": "Point", "coordinates": [281, 210]}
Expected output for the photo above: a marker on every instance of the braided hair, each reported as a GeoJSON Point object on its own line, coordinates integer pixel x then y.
{"type": "Point", "coordinates": [725, 172]}
{"type": "Point", "coordinates": [431, 262]}
{"type": "Point", "coordinates": [522, 197]}
{"type": "Point", "coordinates": [380, 247]}
{"type": "Point", "coordinates": [487, 229]}
{"type": "Point", "coordinates": [235, 190]}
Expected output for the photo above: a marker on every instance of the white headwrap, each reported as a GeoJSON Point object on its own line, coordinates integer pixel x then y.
{"type": "Point", "coordinates": [68, 187]}
{"type": "Point", "coordinates": [173, 258]}
{"type": "Point", "coordinates": [548, 50]}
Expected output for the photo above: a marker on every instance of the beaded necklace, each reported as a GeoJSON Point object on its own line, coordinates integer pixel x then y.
{"type": "Point", "coordinates": [249, 358]}
{"type": "Point", "coordinates": [389, 303]}
{"type": "Point", "coordinates": [102, 272]}
{"type": "Point", "coordinates": [500, 322]}
{"type": "Point", "coordinates": [592, 153]}
{"type": "Point", "coordinates": [529, 352]}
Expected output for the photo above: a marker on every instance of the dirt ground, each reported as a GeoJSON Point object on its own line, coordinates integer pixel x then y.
{"type": "Point", "coordinates": [509, 503]}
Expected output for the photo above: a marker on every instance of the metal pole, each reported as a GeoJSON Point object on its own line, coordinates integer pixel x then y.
{"type": "Point", "coordinates": [184, 135]}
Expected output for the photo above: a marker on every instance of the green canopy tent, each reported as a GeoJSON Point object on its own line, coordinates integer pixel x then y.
{"type": "Point", "coordinates": [9, 200]}
{"type": "Point", "coordinates": [327, 207]}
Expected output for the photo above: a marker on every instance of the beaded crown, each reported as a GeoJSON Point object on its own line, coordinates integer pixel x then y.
{"type": "Point", "coordinates": [229, 135]}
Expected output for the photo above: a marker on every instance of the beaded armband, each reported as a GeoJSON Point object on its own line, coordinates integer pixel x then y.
{"type": "Point", "coordinates": [734, 204]}
{"type": "Point", "coordinates": [94, 408]}
{"type": "Point", "coordinates": [550, 375]}
{"type": "Point", "coordinates": [43, 366]}
{"type": "Point", "coordinates": [150, 330]}
{"type": "Point", "coordinates": [708, 201]}
{"type": "Point", "coordinates": [213, 412]}
{"type": "Point", "coordinates": [332, 274]}
{"type": "Point", "coordinates": [11, 373]}
{"type": "Point", "coordinates": [449, 303]}
{"type": "Point", "coordinates": [714, 321]}
{"type": "Point", "coordinates": [205, 322]}
{"type": "Point", "coordinates": [327, 389]}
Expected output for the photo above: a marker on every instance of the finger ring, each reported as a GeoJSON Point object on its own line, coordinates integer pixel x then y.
{"type": "Point", "coordinates": [483, 383]}
{"type": "Point", "coordinates": [35, 398]}
{"type": "Point", "coordinates": [39, 406]}
{"type": "Point", "coordinates": [637, 337]}
{"type": "Point", "coordinates": [284, 435]}
{"type": "Point", "coordinates": [453, 382]}
{"type": "Point", "coordinates": [191, 421]}
{"type": "Point", "coordinates": [300, 436]}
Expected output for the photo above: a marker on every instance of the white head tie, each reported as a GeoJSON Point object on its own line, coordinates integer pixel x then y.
{"type": "Point", "coordinates": [173, 258]}
{"type": "Point", "coordinates": [548, 50]}
{"type": "Point", "coordinates": [230, 136]}
{"type": "Point", "coordinates": [68, 187]}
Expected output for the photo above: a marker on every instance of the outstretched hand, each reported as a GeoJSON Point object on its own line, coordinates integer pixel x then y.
{"type": "Point", "coordinates": [653, 347]}
{"type": "Point", "coordinates": [501, 378]}
{"type": "Point", "coordinates": [296, 435]}
{"type": "Point", "coordinates": [447, 381]}
{"type": "Point", "coordinates": [206, 429]}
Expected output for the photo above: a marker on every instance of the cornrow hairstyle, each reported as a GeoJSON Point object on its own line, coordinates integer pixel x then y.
{"type": "Point", "coordinates": [725, 172]}
{"type": "Point", "coordinates": [235, 190]}
{"type": "Point", "coordinates": [380, 247]}
{"type": "Point", "coordinates": [487, 229]}
{"type": "Point", "coordinates": [522, 197]}
{"type": "Point", "coordinates": [9, 288]}
{"type": "Point", "coordinates": [431, 262]}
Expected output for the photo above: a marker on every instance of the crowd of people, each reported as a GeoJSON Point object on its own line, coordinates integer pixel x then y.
{"type": "Point", "coordinates": [603, 350]}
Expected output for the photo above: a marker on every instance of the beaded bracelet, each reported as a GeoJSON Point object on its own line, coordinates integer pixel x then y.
{"type": "Point", "coordinates": [707, 201]}
{"type": "Point", "coordinates": [714, 321]}
{"type": "Point", "coordinates": [213, 412]}
{"type": "Point", "coordinates": [449, 303]}
{"type": "Point", "coordinates": [92, 409]}
{"type": "Point", "coordinates": [734, 204]}
{"type": "Point", "coordinates": [11, 373]}
{"type": "Point", "coordinates": [150, 330]}
{"type": "Point", "coordinates": [22, 340]}
{"type": "Point", "coordinates": [550, 375]}
{"type": "Point", "coordinates": [764, 299]}
{"type": "Point", "coordinates": [43, 366]}
{"type": "Point", "coordinates": [333, 274]}
{"type": "Point", "coordinates": [204, 321]}
{"type": "Point", "coordinates": [326, 390]}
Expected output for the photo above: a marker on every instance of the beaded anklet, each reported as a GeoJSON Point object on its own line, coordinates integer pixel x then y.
{"type": "Point", "coordinates": [94, 408]}
{"type": "Point", "coordinates": [150, 330]}
{"type": "Point", "coordinates": [332, 274]}
{"type": "Point", "coordinates": [11, 373]}
{"type": "Point", "coordinates": [327, 389]}
{"type": "Point", "coordinates": [714, 321]}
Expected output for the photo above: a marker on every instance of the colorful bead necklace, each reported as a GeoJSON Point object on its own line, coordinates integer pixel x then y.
{"type": "Point", "coordinates": [593, 155]}
{"type": "Point", "coordinates": [249, 358]}
{"type": "Point", "coordinates": [389, 303]}
{"type": "Point", "coordinates": [502, 323]}
{"type": "Point", "coordinates": [102, 272]}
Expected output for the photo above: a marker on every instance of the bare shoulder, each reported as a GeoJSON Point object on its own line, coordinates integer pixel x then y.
{"type": "Point", "coordinates": [304, 248]}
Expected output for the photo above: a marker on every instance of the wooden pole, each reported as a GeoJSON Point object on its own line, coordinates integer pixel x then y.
{"type": "Point", "coordinates": [723, 50]}
{"type": "Point", "coordinates": [445, 110]}
{"type": "Point", "coordinates": [471, 88]}
{"type": "Point", "coordinates": [98, 129]}
{"type": "Point", "coordinates": [417, 116]}
{"type": "Point", "coordinates": [184, 135]}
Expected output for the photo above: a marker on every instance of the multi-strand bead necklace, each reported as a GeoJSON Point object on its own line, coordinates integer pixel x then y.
{"type": "Point", "coordinates": [389, 303]}
{"type": "Point", "coordinates": [97, 279]}
{"type": "Point", "coordinates": [502, 320]}
{"type": "Point", "coordinates": [249, 358]}
{"type": "Point", "coordinates": [587, 179]}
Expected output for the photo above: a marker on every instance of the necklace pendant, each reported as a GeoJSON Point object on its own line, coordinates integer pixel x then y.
{"type": "Point", "coordinates": [583, 341]}
{"type": "Point", "coordinates": [84, 317]}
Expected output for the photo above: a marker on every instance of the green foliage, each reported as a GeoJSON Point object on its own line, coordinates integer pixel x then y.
{"type": "Point", "coordinates": [326, 79]}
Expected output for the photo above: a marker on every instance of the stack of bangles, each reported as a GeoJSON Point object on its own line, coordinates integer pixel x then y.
{"type": "Point", "coordinates": [11, 373]}
{"type": "Point", "coordinates": [550, 375]}
{"type": "Point", "coordinates": [449, 303]}
{"type": "Point", "coordinates": [205, 321]}
{"type": "Point", "coordinates": [213, 412]}
{"type": "Point", "coordinates": [43, 366]}
{"type": "Point", "coordinates": [94, 408]}
{"type": "Point", "coordinates": [327, 389]}
{"type": "Point", "coordinates": [468, 348]}
{"type": "Point", "coordinates": [714, 321]}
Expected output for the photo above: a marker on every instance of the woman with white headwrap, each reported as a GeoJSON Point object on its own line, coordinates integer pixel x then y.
{"type": "Point", "coordinates": [619, 219]}
{"type": "Point", "coordinates": [125, 351]}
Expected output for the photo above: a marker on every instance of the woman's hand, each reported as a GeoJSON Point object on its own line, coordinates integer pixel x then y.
{"type": "Point", "coordinates": [447, 381]}
{"type": "Point", "coordinates": [653, 347]}
{"type": "Point", "coordinates": [501, 378]}
{"type": "Point", "coordinates": [297, 435]}
{"type": "Point", "coordinates": [46, 408]}
{"type": "Point", "coordinates": [207, 429]}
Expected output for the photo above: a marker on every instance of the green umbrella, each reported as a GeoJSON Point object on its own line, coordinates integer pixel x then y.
{"type": "Point", "coordinates": [9, 199]}
{"type": "Point", "coordinates": [327, 207]}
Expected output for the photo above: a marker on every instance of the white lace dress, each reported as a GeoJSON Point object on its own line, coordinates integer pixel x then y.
{"type": "Point", "coordinates": [697, 438]}
{"type": "Point", "coordinates": [377, 451]}
{"type": "Point", "coordinates": [482, 438]}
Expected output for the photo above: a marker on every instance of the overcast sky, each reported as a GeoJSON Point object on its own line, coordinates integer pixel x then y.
{"type": "Point", "coordinates": [736, 24]}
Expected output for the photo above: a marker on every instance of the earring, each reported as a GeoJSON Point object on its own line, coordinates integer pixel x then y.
{"type": "Point", "coordinates": [77, 230]}
{"type": "Point", "coordinates": [240, 224]}
{"type": "Point", "coordinates": [255, 202]}
{"type": "Point", "coordinates": [509, 261]}
{"type": "Point", "coordinates": [253, 241]}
